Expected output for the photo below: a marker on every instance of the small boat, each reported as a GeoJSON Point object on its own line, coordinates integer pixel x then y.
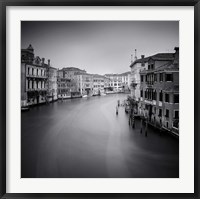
{"type": "Point", "coordinates": [25, 108]}
{"type": "Point", "coordinates": [85, 95]}
{"type": "Point", "coordinates": [64, 96]}
{"type": "Point", "coordinates": [103, 94]}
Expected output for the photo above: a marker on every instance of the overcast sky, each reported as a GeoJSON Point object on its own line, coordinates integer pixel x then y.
{"type": "Point", "coordinates": [98, 46]}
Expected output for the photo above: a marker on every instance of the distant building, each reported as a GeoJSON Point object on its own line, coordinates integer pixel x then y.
{"type": "Point", "coordinates": [52, 90]}
{"type": "Point", "coordinates": [68, 82]}
{"type": "Point", "coordinates": [33, 78]}
{"type": "Point", "coordinates": [85, 83]}
{"type": "Point", "coordinates": [119, 82]}
{"type": "Point", "coordinates": [98, 84]}
{"type": "Point", "coordinates": [159, 91]}
{"type": "Point", "coordinates": [70, 72]}
{"type": "Point", "coordinates": [126, 83]}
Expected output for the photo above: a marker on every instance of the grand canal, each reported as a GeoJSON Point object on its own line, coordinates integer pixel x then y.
{"type": "Point", "coordinates": [84, 138]}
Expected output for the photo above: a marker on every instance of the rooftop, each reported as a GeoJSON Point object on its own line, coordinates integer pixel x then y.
{"type": "Point", "coordinates": [168, 67]}
{"type": "Point", "coordinates": [116, 74]}
{"type": "Point", "coordinates": [156, 57]}
{"type": "Point", "coordinates": [72, 69]}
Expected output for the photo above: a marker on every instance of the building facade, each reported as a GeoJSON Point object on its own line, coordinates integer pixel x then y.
{"type": "Point", "coordinates": [85, 84]}
{"type": "Point", "coordinates": [33, 78]}
{"type": "Point", "coordinates": [98, 84]}
{"type": "Point", "coordinates": [119, 82]}
{"type": "Point", "coordinates": [159, 93]}
{"type": "Point", "coordinates": [52, 90]}
{"type": "Point", "coordinates": [145, 63]}
{"type": "Point", "coordinates": [68, 82]}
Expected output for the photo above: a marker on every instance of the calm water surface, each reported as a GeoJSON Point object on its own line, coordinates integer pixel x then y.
{"type": "Point", "coordinates": [83, 138]}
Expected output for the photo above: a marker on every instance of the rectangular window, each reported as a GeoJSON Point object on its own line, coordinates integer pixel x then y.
{"type": "Point", "coordinates": [168, 77]}
{"type": "Point", "coordinates": [152, 66]}
{"type": "Point", "coordinates": [161, 96]}
{"type": "Point", "coordinates": [32, 71]}
{"type": "Point", "coordinates": [167, 97]}
{"type": "Point", "coordinates": [176, 98]}
{"type": "Point", "coordinates": [145, 94]}
{"type": "Point", "coordinates": [141, 78]}
{"type": "Point", "coordinates": [167, 113]}
{"type": "Point", "coordinates": [160, 113]}
{"type": "Point", "coordinates": [149, 67]}
{"type": "Point", "coordinates": [155, 95]}
{"type": "Point", "coordinates": [141, 93]}
{"type": "Point", "coordinates": [176, 114]}
{"type": "Point", "coordinates": [155, 77]}
{"type": "Point", "coordinates": [146, 78]}
{"type": "Point", "coordinates": [28, 70]}
{"type": "Point", "coordinates": [28, 84]}
{"type": "Point", "coordinates": [161, 77]}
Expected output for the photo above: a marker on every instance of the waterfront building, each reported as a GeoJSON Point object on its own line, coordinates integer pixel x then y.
{"type": "Point", "coordinates": [115, 82]}
{"type": "Point", "coordinates": [68, 82]}
{"type": "Point", "coordinates": [144, 63]}
{"type": "Point", "coordinates": [118, 82]}
{"type": "Point", "coordinates": [85, 83]}
{"type": "Point", "coordinates": [71, 72]}
{"type": "Point", "coordinates": [98, 84]}
{"type": "Point", "coordinates": [159, 91]}
{"type": "Point", "coordinates": [126, 83]}
{"type": "Point", "coordinates": [33, 78]}
{"type": "Point", "coordinates": [136, 67]}
{"type": "Point", "coordinates": [52, 93]}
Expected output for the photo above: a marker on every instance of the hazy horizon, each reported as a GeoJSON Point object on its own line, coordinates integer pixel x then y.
{"type": "Point", "coordinates": [99, 47]}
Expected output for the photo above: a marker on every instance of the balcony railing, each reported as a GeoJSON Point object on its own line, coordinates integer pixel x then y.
{"type": "Point", "coordinates": [36, 89]}
{"type": "Point", "coordinates": [36, 76]}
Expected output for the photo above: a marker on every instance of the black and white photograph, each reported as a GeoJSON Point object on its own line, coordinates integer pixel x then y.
{"type": "Point", "coordinates": [100, 99]}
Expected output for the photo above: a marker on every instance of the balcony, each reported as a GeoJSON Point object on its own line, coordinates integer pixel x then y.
{"type": "Point", "coordinates": [148, 102]}
{"type": "Point", "coordinates": [36, 76]}
{"type": "Point", "coordinates": [36, 89]}
{"type": "Point", "coordinates": [150, 84]}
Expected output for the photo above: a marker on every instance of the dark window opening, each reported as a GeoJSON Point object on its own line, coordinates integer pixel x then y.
{"type": "Point", "coordinates": [160, 113]}
{"type": "Point", "coordinates": [161, 96]}
{"type": "Point", "coordinates": [176, 114]}
{"type": "Point", "coordinates": [176, 98]}
{"type": "Point", "coordinates": [169, 77]}
{"type": "Point", "coordinates": [141, 93]}
{"type": "Point", "coordinates": [161, 77]}
{"type": "Point", "coordinates": [166, 97]}
{"type": "Point", "coordinates": [167, 113]}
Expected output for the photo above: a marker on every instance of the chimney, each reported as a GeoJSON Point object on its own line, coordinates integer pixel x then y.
{"type": "Point", "coordinates": [43, 61]}
{"type": "Point", "coordinates": [143, 62]}
{"type": "Point", "coordinates": [135, 54]}
{"type": "Point", "coordinates": [176, 55]}
{"type": "Point", "coordinates": [49, 62]}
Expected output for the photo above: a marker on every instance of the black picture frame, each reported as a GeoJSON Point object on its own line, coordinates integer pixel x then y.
{"type": "Point", "coordinates": [5, 3]}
